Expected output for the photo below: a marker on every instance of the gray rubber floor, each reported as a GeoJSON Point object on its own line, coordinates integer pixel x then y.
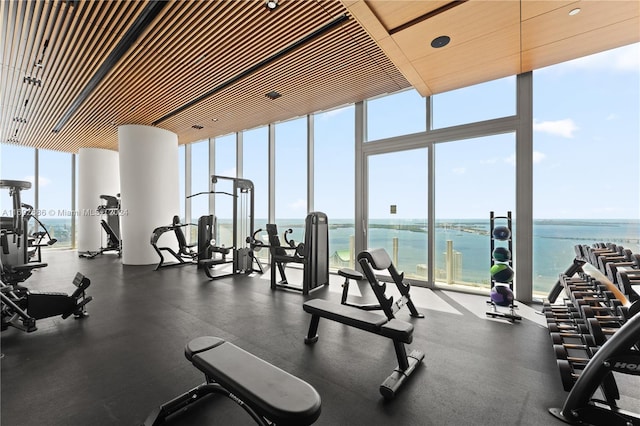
{"type": "Point", "coordinates": [115, 366]}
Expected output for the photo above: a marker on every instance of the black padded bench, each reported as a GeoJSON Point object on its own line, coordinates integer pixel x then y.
{"type": "Point", "coordinates": [400, 332]}
{"type": "Point", "coordinates": [270, 395]}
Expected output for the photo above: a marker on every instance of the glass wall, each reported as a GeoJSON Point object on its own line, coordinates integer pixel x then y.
{"type": "Point", "coordinates": [16, 163]}
{"type": "Point", "coordinates": [181, 181]}
{"type": "Point", "coordinates": [493, 99]}
{"type": "Point", "coordinates": [398, 209]}
{"type": "Point", "coordinates": [225, 165]}
{"type": "Point", "coordinates": [586, 151]}
{"type": "Point", "coordinates": [54, 204]}
{"type": "Point", "coordinates": [586, 184]}
{"type": "Point", "coordinates": [255, 167]}
{"type": "Point", "coordinates": [399, 114]}
{"type": "Point", "coordinates": [291, 176]}
{"type": "Point", "coordinates": [200, 182]}
{"type": "Point", "coordinates": [472, 178]}
{"type": "Point", "coordinates": [334, 186]}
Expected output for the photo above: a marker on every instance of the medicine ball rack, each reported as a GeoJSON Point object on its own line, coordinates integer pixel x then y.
{"type": "Point", "coordinates": [495, 312]}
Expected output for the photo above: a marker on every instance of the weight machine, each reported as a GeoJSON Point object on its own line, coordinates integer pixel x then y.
{"type": "Point", "coordinates": [216, 246]}
{"type": "Point", "coordinates": [16, 245]}
{"type": "Point", "coordinates": [237, 243]}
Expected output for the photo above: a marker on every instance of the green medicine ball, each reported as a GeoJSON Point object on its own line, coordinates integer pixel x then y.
{"type": "Point", "coordinates": [502, 273]}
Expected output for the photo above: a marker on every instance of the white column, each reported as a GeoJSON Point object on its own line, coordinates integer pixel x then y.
{"type": "Point", "coordinates": [150, 196]}
{"type": "Point", "coordinates": [98, 174]}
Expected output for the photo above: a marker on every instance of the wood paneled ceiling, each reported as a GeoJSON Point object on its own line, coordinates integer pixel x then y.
{"type": "Point", "coordinates": [491, 39]}
{"type": "Point", "coordinates": [203, 68]}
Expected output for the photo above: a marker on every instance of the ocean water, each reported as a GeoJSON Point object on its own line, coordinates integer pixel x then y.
{"type": "Point", "coordinates": [406, 242]}
{"type": "Point", "coordinates": [553, 244]}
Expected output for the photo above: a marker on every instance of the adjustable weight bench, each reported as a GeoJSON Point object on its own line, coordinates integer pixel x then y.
{"type": "Point", "coordinates": [267, 393]}
{"type": "Point", "coordinates": [400, 332]}
{"type": "Point", "coordinates": [386, 325]}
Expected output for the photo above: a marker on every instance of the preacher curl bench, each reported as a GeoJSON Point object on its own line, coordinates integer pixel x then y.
{"type": "Point", "coordinates": [400, 332]}
{"type": "Point", "coordinates": [268, 394]}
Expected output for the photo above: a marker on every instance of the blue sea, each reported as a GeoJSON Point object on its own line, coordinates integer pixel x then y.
{"type": "Point", "coordinates": [553, 244]}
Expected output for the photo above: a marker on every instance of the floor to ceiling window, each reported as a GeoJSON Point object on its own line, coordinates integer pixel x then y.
{"type": "Point", "coordinates": [472, 178]}
{"type": "Point", "coordinates": [397, 193]}
{"type": "Point", "coordinates": [586, 151]}
{"type": "Point", "coordinates": [255, 167]}
{"type": "Point", "coordinates": [334, 191]}
{"type": "Point", "coordinates": [291, 176]}
{"type": "Point", "coordinates": [200, 184]}
{"type": "Point", "coordinates": [16, 163]}
{"type": "Point", "coordinates": [493, 99]}
{"type": "Point", "coordinates": [54, 203]}
{"type": "Point", "coordinates": [181, 181]}
{"type": "Point", "coordinates": [225, 165]}
{"type": "Point", "coordinates": [398, 114]}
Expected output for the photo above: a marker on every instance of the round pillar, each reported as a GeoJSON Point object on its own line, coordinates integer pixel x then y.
{"type": "Point", "coordinates": [98, 174]}
{"type": "Point", "coordinates": [149, 188]}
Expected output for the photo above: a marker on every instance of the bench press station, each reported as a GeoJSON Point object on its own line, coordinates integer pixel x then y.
{"type": "Point", "coordinates": [271, 396]}
{"type": "Point", "coordinates": [386, 325]}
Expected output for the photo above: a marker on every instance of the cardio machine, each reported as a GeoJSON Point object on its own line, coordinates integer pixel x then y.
{"type": "Point", "coordinates": [110, 225]}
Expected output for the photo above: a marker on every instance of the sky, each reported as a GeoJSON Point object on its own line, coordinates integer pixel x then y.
{"type": "Point", "coordinates": [586, 152]}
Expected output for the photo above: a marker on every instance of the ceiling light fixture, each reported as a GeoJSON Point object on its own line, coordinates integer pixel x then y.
{"type": "Point", "coordinates": [575, 11]}
{"type": "Point", "coordinates": [271, 4]}
{"type": "Point", "coordinates": [273, 95]}
{"type": "Point", "coordinates": [441, 41]}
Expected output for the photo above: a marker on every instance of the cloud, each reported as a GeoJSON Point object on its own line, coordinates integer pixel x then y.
{"type": "Point", "coordinates": [537, 158]}
{"type": "Point", "coordinates": [42, 181]}
{"type": "Point", "coordinates": [299, 204]}
{"type": "Point", "coordinates": [623, 59]}
{"type": "Point", "coordinates": [459, 170]}
{"type": "Point", "coordinates": [564, 128]}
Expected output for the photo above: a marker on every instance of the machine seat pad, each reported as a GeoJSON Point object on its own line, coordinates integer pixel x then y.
{"type": "Point", "coordinates": [364, 320]}
{"type": "Point", "coordinates": [271, 392]}
{"type": "Point", "coordinates": [351, 274]}
{"type": "Point", "coordinates": [29, 266]}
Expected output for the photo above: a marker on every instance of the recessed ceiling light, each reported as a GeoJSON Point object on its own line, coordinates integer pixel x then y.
{"type": "Point", "coordinates": [214, 119]}
{"type": "Point", "coordinates": [271, 4]}
{"type": "Point", "coordinates": [273, 95]}
{"type": "Point", "coordinates": [197, 127]}
{"type": "Point", "coordinates": [574, 12]}
{"type": "Point", "coordinates": [441, 41]}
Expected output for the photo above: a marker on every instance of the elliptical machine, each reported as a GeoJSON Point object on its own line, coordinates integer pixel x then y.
{"type": "Point", "coordinates": [111, 226]}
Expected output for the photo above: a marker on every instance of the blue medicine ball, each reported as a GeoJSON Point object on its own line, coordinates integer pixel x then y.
{"type": "Point", "coordinates": [501, 233]}
{"type": "Point", "coordinates": [501, 295]}
{"type": "Point", "coordinates": [501, 254]}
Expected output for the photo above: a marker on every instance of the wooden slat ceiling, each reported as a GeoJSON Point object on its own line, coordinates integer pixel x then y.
{"type": "Point", "coordinates": [207, 63]}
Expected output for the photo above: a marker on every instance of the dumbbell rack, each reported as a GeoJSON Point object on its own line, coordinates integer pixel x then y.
{"type": "Point", "coordinates": [495, 312]}
{"type": "Point", "coordinates": [594, 332]}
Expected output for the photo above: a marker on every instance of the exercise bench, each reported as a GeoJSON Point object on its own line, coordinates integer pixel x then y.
{"type": "Point", "coordinates": [400, 332]}
{"type": "Point", "coordinates": [267, 393]}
